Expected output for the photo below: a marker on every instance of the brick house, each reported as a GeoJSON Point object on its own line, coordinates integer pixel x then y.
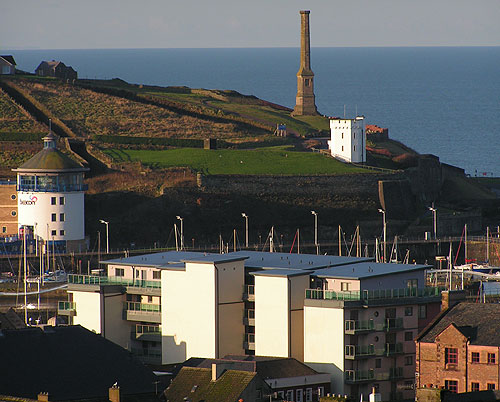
{"type": "Point", "coordinates": [460, 349]}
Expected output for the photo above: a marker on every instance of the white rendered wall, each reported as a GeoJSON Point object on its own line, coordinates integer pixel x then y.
{"type": "Point", "coordinates": [348, 139]}
{"type": "Point", "coordinates": [88, 310]}
{"type": "Point", "coordinates": [35, 209]}
{"type": "Point", "coordinates": [271, 316]}
{"type": "Point", "coordinates": [324, 343]}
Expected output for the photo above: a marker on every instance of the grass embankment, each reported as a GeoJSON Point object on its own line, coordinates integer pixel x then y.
{"type": "Point", "coordinates": [14, 120]}
{"type": "Point", "coordinates": [265, 161]}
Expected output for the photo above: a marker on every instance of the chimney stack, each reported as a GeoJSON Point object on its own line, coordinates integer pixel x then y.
{"type": "Point", "coordinates": [451, 297]}
{"type": "Point", "coordinates": [43, 397]}
{"type": "Point", "coordinates": [114, 393]}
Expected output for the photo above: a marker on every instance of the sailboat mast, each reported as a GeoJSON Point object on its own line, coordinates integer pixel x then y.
{"type": "Point", "coordinates": [25, 278]}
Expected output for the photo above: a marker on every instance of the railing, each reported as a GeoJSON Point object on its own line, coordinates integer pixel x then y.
{"type": "Point", "coordinates": [393, 348]}
{"type": "Point", "coordinates": [359, 375]}
{"type": "Point", "coordinates": [353, 351]}
{"type": "Point", "coordinates": [370, 295]}
{"type": "Point", "coordinates": [66, 306]}
{"type": "Point", "coordinates": [356, 326]}
{"type": "Point", "coordinates": [147, 329]}
{"type": "Point", "coordinates": [111, 280]}
{"type": "Point", "coordinates": [142, 307]}
{"type": "Point", "coordinates": [389, 324]}
{"type": "Point", "coordinates": [52, 189]}
{"type": "Point", "coordinates": [393, 324]}
{"type": "Point", "coordinates": [249, 292]}
{"type": "Point", "coordinates": [396, 372]}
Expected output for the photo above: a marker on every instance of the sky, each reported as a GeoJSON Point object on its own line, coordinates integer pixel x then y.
{"type": "Point", "coordinates": [97, 24]}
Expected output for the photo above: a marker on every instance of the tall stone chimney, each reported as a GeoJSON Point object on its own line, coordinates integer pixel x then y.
{"type": "Point", "coordinates": [304, 102]}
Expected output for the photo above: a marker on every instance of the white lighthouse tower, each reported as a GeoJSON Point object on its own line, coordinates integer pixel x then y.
{"type": "Point", "coordinates": [50, 194]}
{"type": "Point", "coordinates": [348, 139]}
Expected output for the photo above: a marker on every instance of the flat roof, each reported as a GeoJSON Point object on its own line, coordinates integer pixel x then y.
{"type": "Point", "coordinates": [215, 258]}
{"type": "Point", "coordinates": [367, 269]}
{"type": "Point", "coordinates": [156, 259]}
{"type": "Point", "coordinates": [281, 272]}
{"type": "Point", "coordinates": [265, 260]}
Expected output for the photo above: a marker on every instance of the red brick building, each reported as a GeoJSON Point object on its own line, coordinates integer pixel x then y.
{"type": "Point", "coordinates": [460, 349]}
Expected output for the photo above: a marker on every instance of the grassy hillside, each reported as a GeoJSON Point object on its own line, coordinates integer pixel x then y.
{"type": "Point", "coordinates": [264, 161]}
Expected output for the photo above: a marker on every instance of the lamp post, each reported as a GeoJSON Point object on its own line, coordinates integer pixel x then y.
{"type": "Point", "coordinates": [244, 215]}
{"type": "Point", "coordinates": [182, 231]}
{"type": "Point", "coordinates": [316, 231]}
{"type": "Point", "coordinates": [434, 216]}
{"type": "Point", "coordinates": [385, 233]}
{"type": "Point", "coordinates": [107, 234]}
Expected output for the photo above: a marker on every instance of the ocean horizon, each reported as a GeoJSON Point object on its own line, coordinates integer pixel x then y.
{"type": "Point", "coordinates": [439, 100]}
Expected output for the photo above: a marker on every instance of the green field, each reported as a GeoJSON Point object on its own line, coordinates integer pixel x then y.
{"type": "Point", "coordinates": [280, 160]}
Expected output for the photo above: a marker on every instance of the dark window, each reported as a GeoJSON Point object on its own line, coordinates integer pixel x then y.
{"type": "Point", "coordinates": [13, 213]}
{"type": "Point", "coordinates": [475, 357]}
{"type": "Point", "coordinates": [409, 336]}
{"type": "Point", "coordinates": [412, 283]}
{"type": "Point", "coordinates": [13, 197]}
{"type": "Point", "coordinates": [491, 387]}
{"type": "Point", "coordinates": [156, 274]}
{"type": "Point", "coordinates": [52, 200]}
{"type": "Point", "coordinates": [61, 200]}
{"type": "Point", "coordinates": [61, 233]}
{"type": "Point", "coordinates": [408, 360]}
{"type": "Point", "coordinates": [4, 229]}
{"type": "Point", "coordinates": [345, 286]}
{"type": "Point", "coordinates": [451, 355]}
{"type": "Point", "coordinates": [378, 363]}
{"type": "Point", "coordinates": [408, 311]}
{"type": "Point", "coordinates": [61, 217]}
{"type": "Point", "coordinates": [422, 311]}
{"type": "Point", "coordinates": [54, 217]}
{"type": "Point", "coordinates": [150, 299]}
{"type": "Point", "coordinates": [474, 386]}
{"type": "Point", "coordinates": [53, 232]}
{"type": "Point", "coordinates": [492, 358]}
{"type": "Point", "coordinates": [451, 385]}
{"type": "Point", "coordinates": [390, 312]}
{"type": "Point", "coordinates": [119, 272]}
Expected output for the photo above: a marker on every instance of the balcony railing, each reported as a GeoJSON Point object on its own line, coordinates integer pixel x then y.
{"type": "Point", "coordinates": [249, 317]}
{"type": "Point", "coordinates": [359, 351]}
{"type": "Point", "coordinates": [147, 355]}
{"type": "Point", "coordinates": [354, 376]}
{"type": "Point", "coordinates": [147, 329]}
{"type": "Point", "coordinates": [373, 295]}
{"type": "Point", "coordinates": [393, 324]}
{"type": "Point", "coordinates": [66, 306]}
{"type": "Point", "coordinates": [142, 307]}
{"type": "Point", "coordinates": [353, 327]}
{"type": "Point", "coordinates": [111, 280]}
{"type": "Point", "coordinates": [61, 188]}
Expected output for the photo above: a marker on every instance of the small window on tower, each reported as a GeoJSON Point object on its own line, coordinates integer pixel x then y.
{"type": "Point", "coordinates": [53, 217]}
{"type": "Point", "coordinates": [52, 200]}
{"type": "Point", "coordinates": [13, 197]}
{"type": "Point", "coordinates": [61, 200]}
{"type": "Point", "coordinates": [4, 229]}
{"type": "Point", "coordinates": [61, 217]}
{"type": "Point", "coordinates": [61, 233]}
{"type": "Point", "coordinates": [53, 232]}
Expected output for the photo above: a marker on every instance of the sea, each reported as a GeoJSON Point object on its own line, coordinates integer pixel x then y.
{"type": "Point", "coordinates": [437, 100]}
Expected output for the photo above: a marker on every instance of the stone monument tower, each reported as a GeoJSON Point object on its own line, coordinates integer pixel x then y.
{"type": "Point", "coordinates": [304, 104]}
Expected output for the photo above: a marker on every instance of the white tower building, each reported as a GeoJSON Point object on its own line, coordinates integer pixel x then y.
{"type": "Point", "coordinates": [50, 194]}
{"type": "Point", "coordinates": [348, 139]}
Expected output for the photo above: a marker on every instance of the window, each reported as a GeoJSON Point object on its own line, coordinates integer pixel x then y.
{"type": "Point", "coordinates": [61, 200]}
{"type": "Point", "coordinates": [475, 357]}
{"type": "Point", "coordinates": [321, 391]}
{"type": "Point", "coordinates": [13, 213]}
{"type": "Point", "coordinates": [451, 355]}
{"type": "Point", "coordinates": [150, 299]}
{"type": "Point", "coordinates": [299, 394]}
{"type": "Point", "coordinates": [345, 286]}
{"type": "Point", "coordinates": [4, 229]}
{"type": "Point", "coordinates": [342, 137]}
{"type": "Point", "coordinates": [409, 336]}
{"type": "Point", "coordinates": [408, 311]}
{"type": "Point", "coordinates": [491, 358]}
{"type": "Point", "coordinates": [309, 394]}
{"type": "Point", "coordinates": [490, 387]}
{"type": "Point", "coordinates": [289, 395]}
{"type": "Point", "coordinates": [378, 363]}
{"type": "Point", "coordinates": [408, 360]}
{"type": "Point", "coordinates": [61, 217]}
{"type": "Point", "coordinates": [474, 386]}
{"type": "Point", "coordinates": [119, 272]}
{"type": "Point", "coordinates": [451, 385]}
{"type": "Point", "coordinates": [156, 274]}
{"type": "Point", "coordinates": [281, 394]}
{"type": "Point", "coordinates": [54, 217]}
{"type": "Point", "coordinates": [61, 233]}
{"type": "Point", "coordinates": [354, 148]}
{"type": "Point", "coordinates": [422, 311]}
{"type": "Point", "coordinates": [412, 283]}
{"type": "Point", "coordinates": [52, 200]}
{"type": "Point", "coordinates": [13, 197]}
{"type": "Point", "coordinates": [53, 232]}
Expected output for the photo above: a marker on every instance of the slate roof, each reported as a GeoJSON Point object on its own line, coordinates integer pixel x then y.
{"type": "Point", "coordinates": [9, 59]}
{"type": "Point", "coordinates": [69, 363]}
{"type": "Point", "coordinates": [194, 384]}
{"type": "Point", "coordinates": [367, 270]}
{"type": "Point", "coordinates": [477, 321]}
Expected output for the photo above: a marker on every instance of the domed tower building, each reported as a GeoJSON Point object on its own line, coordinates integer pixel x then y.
{"type": "Point", "coordinates": [50, 194]}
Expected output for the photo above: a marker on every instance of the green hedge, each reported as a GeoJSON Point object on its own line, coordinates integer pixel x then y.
{"type": "Point", "coordinates": [21, 136]}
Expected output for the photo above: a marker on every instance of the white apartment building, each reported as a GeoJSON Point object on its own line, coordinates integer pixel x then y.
{"type": "Point", "coordinates": [348, 139]}
{"type": "Point", "coordinates": [346, 316]}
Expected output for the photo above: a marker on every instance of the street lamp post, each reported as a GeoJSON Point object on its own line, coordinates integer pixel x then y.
{"type": "Point", "coordinates": [182, 231]}
{"type": "Point", "coordinates": [107, 234]}
{"type": "Point", "coordinates": [244, 215]}
{"type": "Point", "coordinates": [385, 233]}
{"type": "Point", "coordinates": [434, 216]}
{"type": "Point", "coordinates": [316, 231]}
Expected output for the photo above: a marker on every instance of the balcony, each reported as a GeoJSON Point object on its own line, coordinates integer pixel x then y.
{"type": "Point", "coordinates": [372, 296]}
{"type": "Point", "coordinates": [147, 355]}
{"type": "Point", "coordinates": [143, 332]}
{"type": "Point", "coordinates": [353, 352]}
{"type": "Point", "coordinates": [396, 373]}
{"type": "Point", "coordinates": [249, 342]}
{"type": "Point", "coordinates": [142, 286]}
{"type": "Point", "coordinates": [393, 324]}
{"type": "Point", "coordinates": [134, 311]}
{"type": "Point", "coordinates": [355, 327]}
{"type": "Point", "coordinates": [358, 376]}
{"type": "Point", "coordinates": [66, 308]}
{"type": "Point", "coordinates": [249, 318]}
{"type": "Point", "coordinates": [249, 292]}
{"type": "Point", "coordinates": [61, 188]}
